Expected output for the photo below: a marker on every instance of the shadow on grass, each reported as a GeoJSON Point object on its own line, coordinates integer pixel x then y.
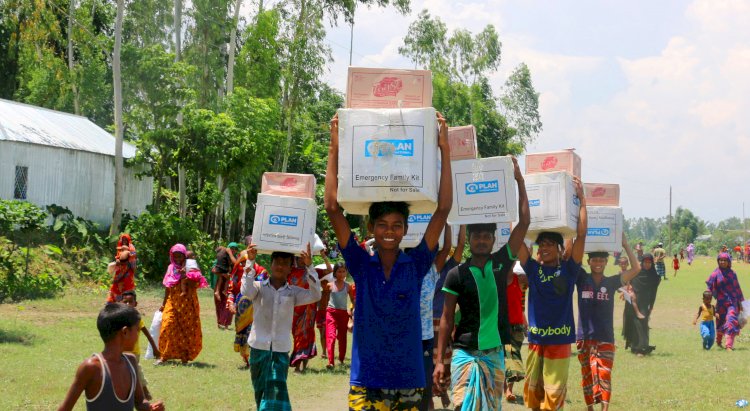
{"type": "Point", "coordinates": [18, 337]}
{"type": "Point", "coordinates": [177, 363]}
{"type": "Point", "coordinates": [337, 370]}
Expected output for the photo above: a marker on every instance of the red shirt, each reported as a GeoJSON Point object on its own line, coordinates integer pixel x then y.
{"type": "Point", "coordinates": [515, 300]}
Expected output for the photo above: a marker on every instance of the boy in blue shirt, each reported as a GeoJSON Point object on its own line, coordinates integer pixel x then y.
{"type": "Point", "coordinates": [551, 326]}
{"type": "Point", "coordinates": [387, 369]}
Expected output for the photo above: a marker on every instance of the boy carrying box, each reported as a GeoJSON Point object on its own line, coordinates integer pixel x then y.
{"type": "Point", "coordinates": [387, 366]}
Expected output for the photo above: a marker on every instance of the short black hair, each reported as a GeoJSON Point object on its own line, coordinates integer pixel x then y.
{"type": "Point", "coordinates": [338, 265]}
{"type": "Point", "coordinates": [481, 228]}
{"type": "Point", "coordinates": [113, 317]}
{"type": "Point", "coordinates": [382, 208]}
{"type": "Point", "coordinates": [708, 294]}
{"type": "Point", "coordinates": [130, 292]}
{"type": "Point", "coordinates": [602, 254]}
{"type": "Point", "coordinates": [283, 255]}
{"type": "Point", "coordinates": [550, 235]}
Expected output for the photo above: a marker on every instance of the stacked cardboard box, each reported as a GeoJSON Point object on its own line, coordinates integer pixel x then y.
{"type": "Point", "coordinates": [285, 222]}
{"type": "Point", "coordinates": [484, 191]}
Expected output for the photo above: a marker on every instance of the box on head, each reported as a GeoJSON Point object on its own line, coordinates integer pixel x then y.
{"type": "Point", "coordinates": [553, 203]}
{"type": "Point", "coordinates": [599, 194]}
{"type": "Point", "coordinates": [463, 142]}
{"type": "Point", "coordinates": [387, 155]}
{"type": "Point", "coordinates": [484, 191]}
{"type": "Point", "coordinates": [565, 160]}
{"type": "Point", "coordinates": [288, 184]}
{"type": "Point", "coordinates": [284, 223]}
{"type": "Point", "coordinates": [605, 225]}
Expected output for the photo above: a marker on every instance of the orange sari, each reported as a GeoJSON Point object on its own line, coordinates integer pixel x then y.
{"type": "Point", "coordinates": [180, 336]}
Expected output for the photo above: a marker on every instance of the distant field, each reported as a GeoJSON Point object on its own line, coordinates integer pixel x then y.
{"type": "Point", "coordinates": [42, 342]}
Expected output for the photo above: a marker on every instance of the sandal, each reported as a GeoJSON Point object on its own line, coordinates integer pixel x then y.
{"type": "Point", "coordinates": [510, 397]}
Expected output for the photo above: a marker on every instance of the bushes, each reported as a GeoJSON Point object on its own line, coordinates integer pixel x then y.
{"type": "Point", "coordinates": [154, 234]}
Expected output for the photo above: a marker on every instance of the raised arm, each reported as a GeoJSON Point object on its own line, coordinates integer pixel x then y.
{"type": "Point", "coordinates": [311, 295]}
{"type": "Point", "coordinates": [445, 191]}
{"type": "Point", "coordinates": [524, 215]}
{"type": "Point", "coordinates": [249, 287]}
{"type": "Point", "coordinates": [335, 214]}
{"type": "Point", "coordinates": [458, 253]}
{"type": "Point", "coordinates": [442, 255]}
{"type": "Point", "coordinates": [583, 224]}
{"type": "Point", "coordinates": [635, 266]}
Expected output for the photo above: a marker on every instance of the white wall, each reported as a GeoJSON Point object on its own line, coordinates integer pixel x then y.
{"type": "Point", "coordinates": [82, 181]}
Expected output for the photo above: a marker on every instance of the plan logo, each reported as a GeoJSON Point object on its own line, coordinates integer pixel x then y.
{"type": "Point", "coordinates": [535, 203]}
{"type": "Point", "coordinates": [481, 187]}
{"type": "Point", "coordinates": [505, 231]}
{"type": "Point", "coordinates": [419, 218]}
{"type": "Point", "coordinates": [285, 220]}
{"type": "Point", "coordinates": [598, 232]}
{"type": "Point", "coordinates": [576, 201]}
{"type": "Point", "coordinates": [389, 147]}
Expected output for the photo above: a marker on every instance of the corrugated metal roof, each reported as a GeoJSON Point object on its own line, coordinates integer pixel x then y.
{"type": "Point", "coordinates": [37, 125]}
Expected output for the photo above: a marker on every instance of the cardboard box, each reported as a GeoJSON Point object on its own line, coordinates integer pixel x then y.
{"type": "Point", "coordinates": [388, 155]}
{"type": "Point", "coordinates": [553, 203]}
{"type": "Point", "coordinates": [388, 88]}
{"type": "Point", "coordinates": [284, 223]}
{"type": "Point", "coordinates": [602, 194]}
{"type": "Point", "coordinates": [463, 142]}
{"type": "Point", "coordinates": [565, 160]}
{"type": "Point", "coordinates": [502, 235]}
{"type": "Point", "coordinates": [288, 184]}
{"type": "Point", "coordinates": [605, 225]}
{"type": "Point", "coordinates": [417, 227]}
{"type": "Point", "coordinates": [484, 191]}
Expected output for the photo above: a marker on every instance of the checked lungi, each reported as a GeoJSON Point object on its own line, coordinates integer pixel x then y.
{"type": "Point", "coordinates": [268, 371]}
{"type": "Point", "coordinates": [477, 379]}
{"type": "Point", "coordinates": [596, 360]}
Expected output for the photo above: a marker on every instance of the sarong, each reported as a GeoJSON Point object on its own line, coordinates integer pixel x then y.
{"type": "Point", "coordinates": [514, 370]}
{"type": "Point", "coordinates": [477, 379]}
{"type": "Point", "coordinates": [596, 360]}
{"type": "Point", "coordinates": [180, 336]}
{"type": "Point", "coordinates": [223, 315]}
{"type": "Point", "coordinates": [243, 321]}
{"type": "Point", "coordinates": [546, 376]}
{"type": "Point", "coordinates": [303, 331]}
{"type": "Point", "coordinates": [661, 269]}
{"type": "Point", "coordinates": [708, 333]}
{"type": "Point", "coordinates": [377, 399]}
{"type": "Point", "coordinates": [268, 372]}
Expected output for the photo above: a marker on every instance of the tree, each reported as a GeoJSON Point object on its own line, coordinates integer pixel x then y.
{"type": "Point", "coordinates": [119, 186]}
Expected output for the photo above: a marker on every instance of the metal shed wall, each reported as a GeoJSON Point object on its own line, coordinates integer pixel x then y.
{"type": "Point", "coordinates": [80, 180]}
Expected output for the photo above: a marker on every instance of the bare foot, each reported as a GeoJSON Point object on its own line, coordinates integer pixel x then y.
{"type": "Point", "coordinates": [329, 366]}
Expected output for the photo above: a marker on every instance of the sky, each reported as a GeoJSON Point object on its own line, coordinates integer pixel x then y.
{"type": "Point", "coordinates": [649, 93]}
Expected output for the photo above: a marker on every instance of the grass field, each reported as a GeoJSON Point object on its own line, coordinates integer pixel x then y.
{"type": "Point", "coordinates": [42, 343]}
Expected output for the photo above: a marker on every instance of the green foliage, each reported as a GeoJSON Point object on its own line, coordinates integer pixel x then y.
{"type": "Point", "coordinates": [154, 234]}
{"type": "Point", "coordinates": [16, 215]}
{"type": "Point", "coordinates": [258, 68]}
{"type": "Point", "coordinates": [17, 284]}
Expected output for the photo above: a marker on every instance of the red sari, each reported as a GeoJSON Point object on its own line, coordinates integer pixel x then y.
{"type": "Point", "coordinates": [303, 323]}
{"type": "Point", "coordinates": [124, 278]}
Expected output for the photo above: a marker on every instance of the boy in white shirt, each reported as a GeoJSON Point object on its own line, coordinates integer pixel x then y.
{"type": "Point", "coordinates": [274, 301]}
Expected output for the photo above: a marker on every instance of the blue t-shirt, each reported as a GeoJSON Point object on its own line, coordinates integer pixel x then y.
{"type": "Point", "coordinates": [387, 336]}
{"type": "Point", "coordinates": [596, 307]}
{"type": "Point", "coordinates": [439, 300]}
{"type": "Point", "coordinates": [551, 302]}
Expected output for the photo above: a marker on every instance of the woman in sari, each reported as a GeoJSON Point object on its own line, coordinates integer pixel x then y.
{"type": "Point", "coordinates": [241, 306]}
{"type": "Point", "coordinates": [180, 336]}
{"type": "Point", "coordinates": [635, 329]}
{"type": "Point", "coordinates": [690, 253]}
{"type": "Point", "coordinates": [303, 324]}
{"type": "Point", "coordinates": [124, 274]}
{"type": "Point", "coordinates": [726, 289]}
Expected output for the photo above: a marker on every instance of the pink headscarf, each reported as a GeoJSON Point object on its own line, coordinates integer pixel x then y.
{"type": "Point", "coordinates": [172, 276]}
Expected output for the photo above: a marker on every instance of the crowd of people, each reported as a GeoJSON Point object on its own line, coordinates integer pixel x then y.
{"type": "Point", "coordinates": [424, 321]}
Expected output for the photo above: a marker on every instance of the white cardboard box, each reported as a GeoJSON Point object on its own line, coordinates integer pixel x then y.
{"type": "Point", "coordinates": [284, 223]}
{"type": "Point", "coordinates": [605, 225]}
{"type": "Point", "coordinates": [553, 203]}
{"type": "Point", "coordinates": [484, 191]}
{"type": "Point", "coordinates": [388, 88]}
{"type": "Point", "coordinates": [502, 235]}
{"type": "Point", "coordinates": [417, 227]}
{"type": "Point", "coordinates": [388, 155]}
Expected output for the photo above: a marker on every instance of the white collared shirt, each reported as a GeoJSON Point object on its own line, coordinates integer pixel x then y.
{"type": "Point", "coordinates": [273, 309]}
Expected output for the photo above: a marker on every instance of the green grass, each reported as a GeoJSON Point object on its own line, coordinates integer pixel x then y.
{"type": "Point", "coordinates": [42, 342]}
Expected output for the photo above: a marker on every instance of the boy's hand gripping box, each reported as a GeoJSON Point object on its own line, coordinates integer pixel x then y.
{"type": "Point", "coordinates": [565, 160]}
{"type": "Point", "coordinates": [288, 184]}
{"type": "Point", "coordinates": [553, 203]}
{"type": "Point", "coordinates": [387, 155]}
{"type": "Point", "coordinates": [284, 223]}
{"type": "Point", "coordinates": [388, 88]}
{"type": "Point", "coordinates": [605, 225]}
{"type": "Point", "coordinates": [602, 194]}
{"type": "Point", "coordinates": [484, 191]}
{"type": "Point", "coordinates": [463, 142]}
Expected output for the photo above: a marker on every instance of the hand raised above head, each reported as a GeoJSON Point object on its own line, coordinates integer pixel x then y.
{"type": "Point", "coordinates": [516, 170]}
{"type": "Point", "coordinates": [335, 130]}
{"type": "Point", "coordinates": [442, 130]}
{"type": "Point", "coordinates": [307, 255]}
